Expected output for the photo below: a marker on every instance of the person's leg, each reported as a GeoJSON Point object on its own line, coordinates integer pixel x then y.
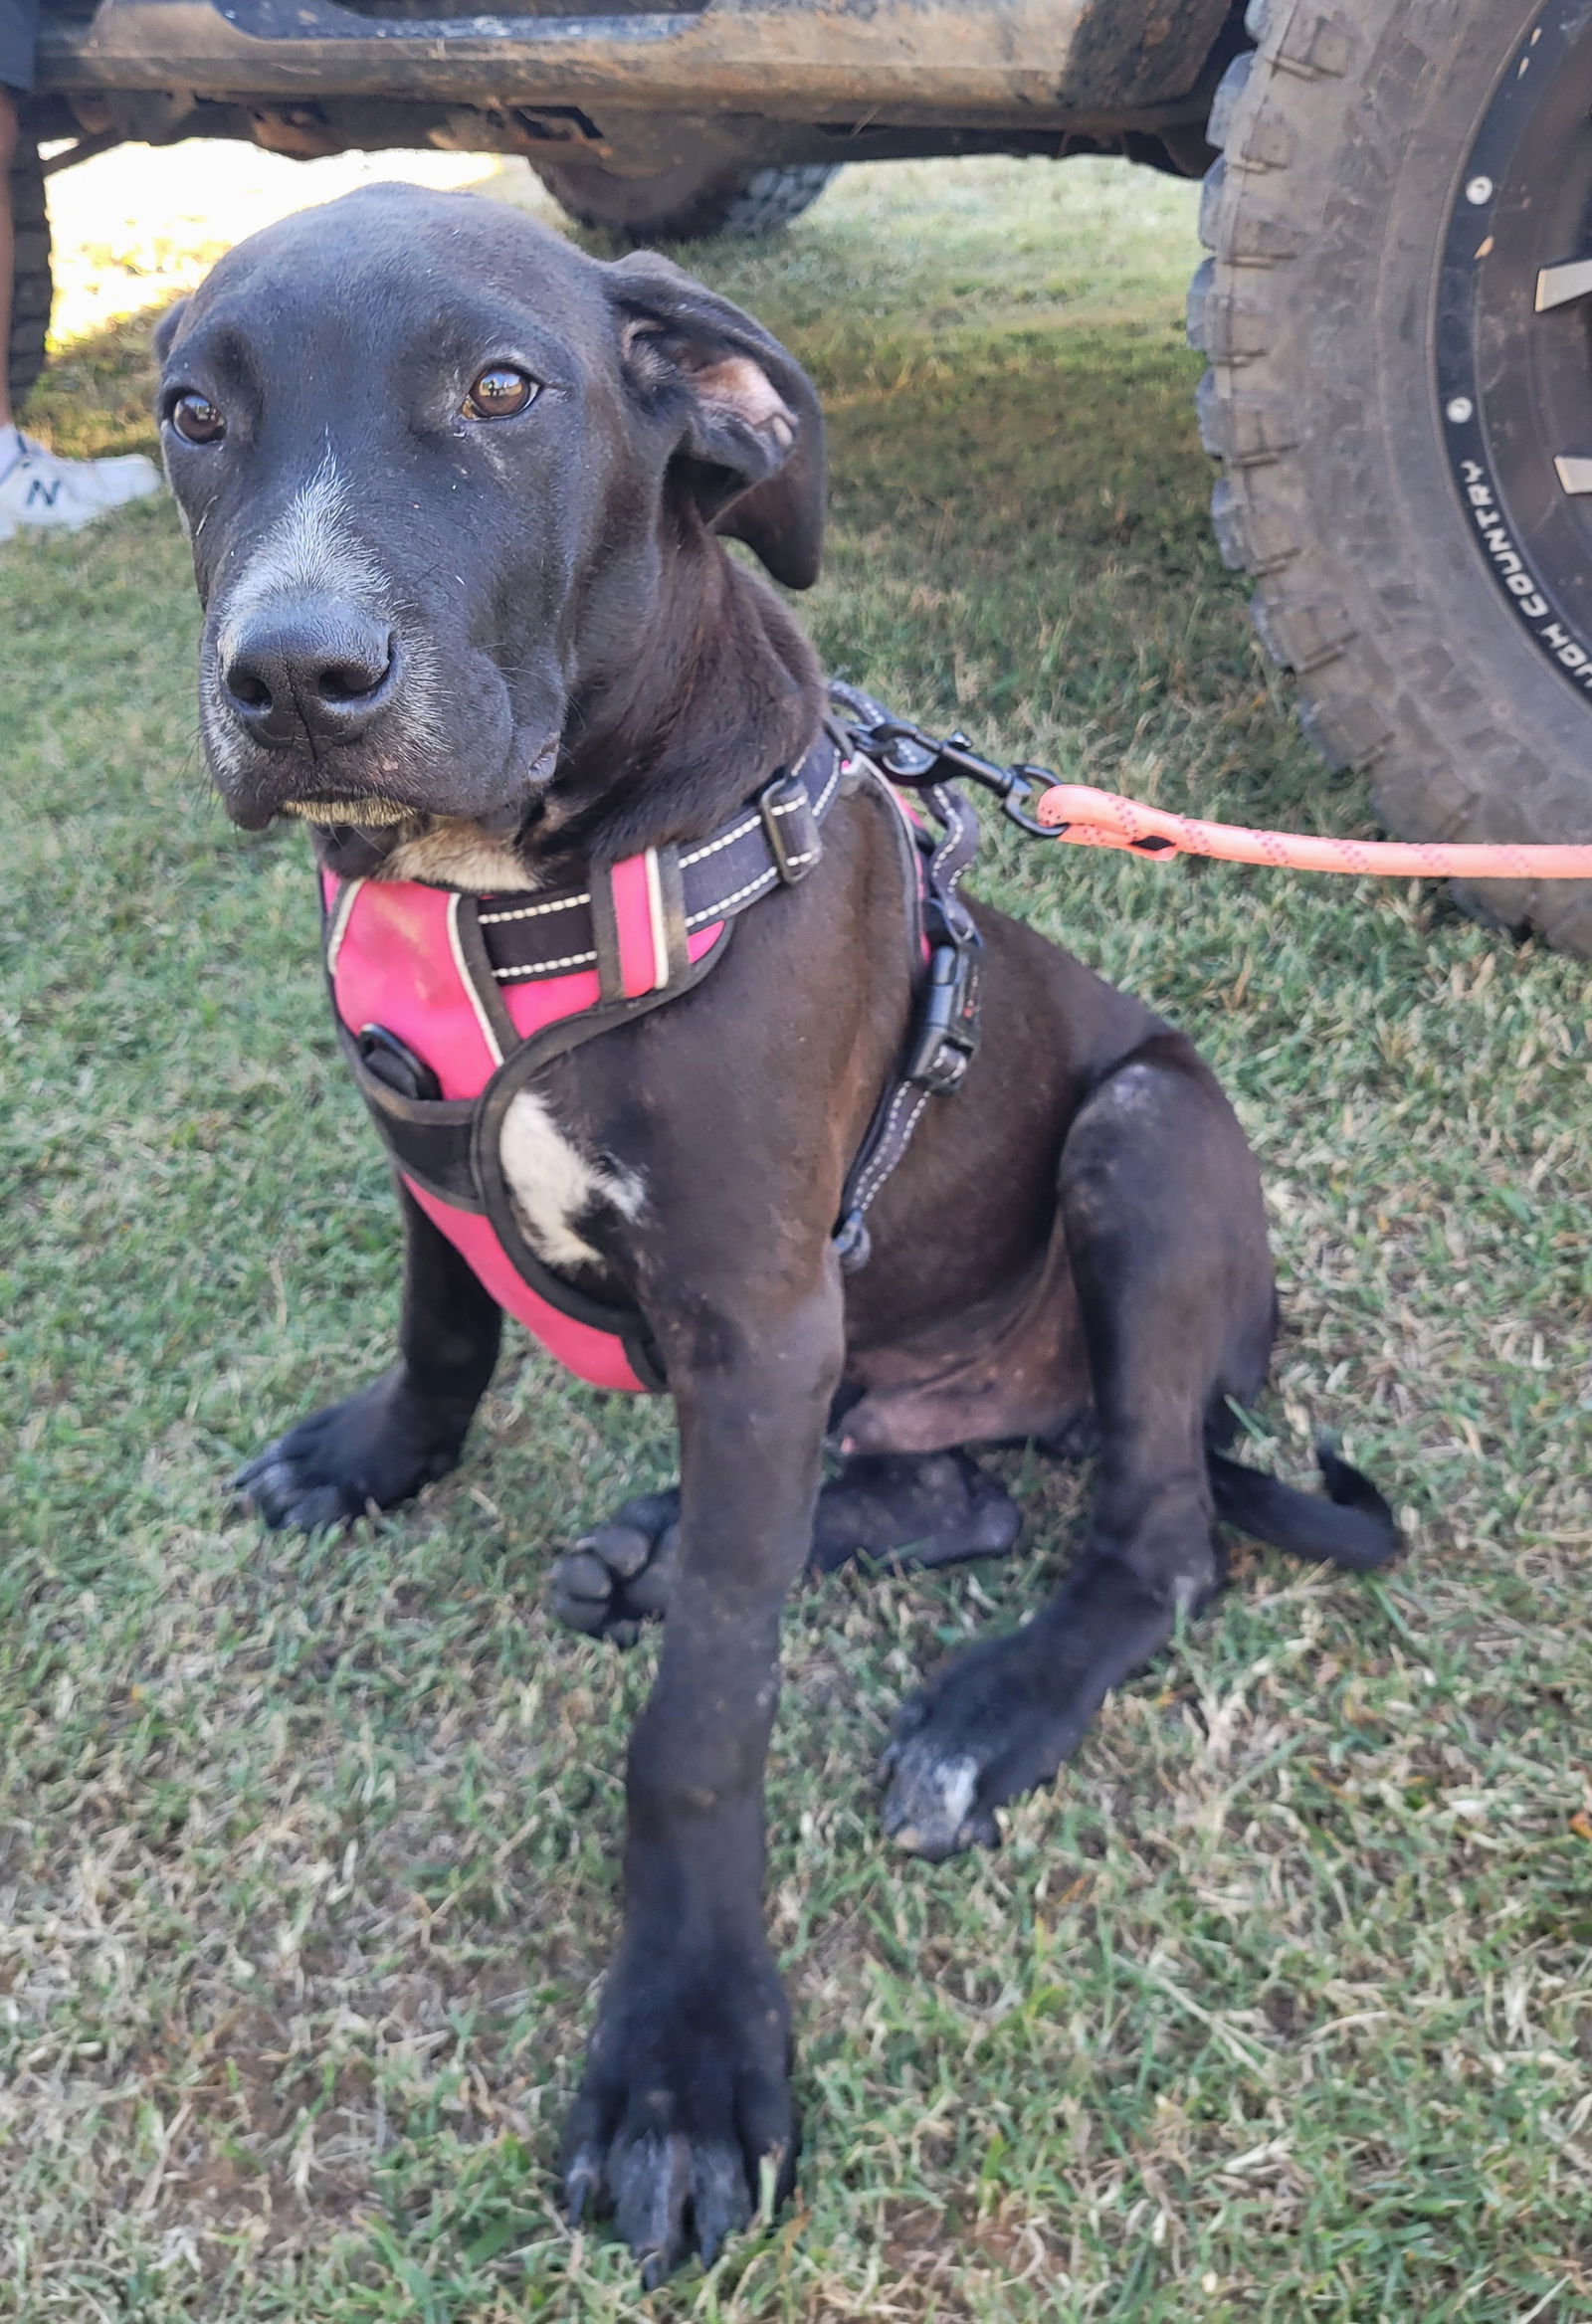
{"type": "Point", "coordinates": [19, 37]}
{"type": "Point", "coordinates": [8, 244]}
{"type": "Point", "coordinates": [38, 490]}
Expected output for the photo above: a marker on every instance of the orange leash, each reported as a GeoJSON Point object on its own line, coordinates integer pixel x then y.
{"type": "Point", "coordinates": [1089, 818]}
{"type": "Point", "coordinates": [1033, 799]}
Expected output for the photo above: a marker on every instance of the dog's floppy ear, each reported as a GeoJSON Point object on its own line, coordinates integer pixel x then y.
{"type": "Point", "coordinates": [166, 329]}
{"type": "Point", "coordinates": [750, 432]}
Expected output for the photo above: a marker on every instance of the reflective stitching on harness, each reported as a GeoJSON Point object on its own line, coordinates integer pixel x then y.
{"type": "Point", "coordinates": [715, 911]}
{"type": "Point", "coordinates": [534, 912]}
{"type": "Point", "coordinates": [655, 913]}
{"type": "Point", "coordinates": [726, 838]}
{"type": "Point", "coordinates": [740, 830]}
{"type": "Point", "coordinates": [698, 919]}
{"type": "Point", "coordinates": [879, 1169]}
{"type": "Point", "coordinates": [340, 923]}
{"type": "Point", "coordinates": [765, 878]}
{"type": "Point", "coordinates": [488, 1034]}
{"type": "Point", "coordinates": [952, 813]}
{"type": "Point", "coordinates": [506, 976]}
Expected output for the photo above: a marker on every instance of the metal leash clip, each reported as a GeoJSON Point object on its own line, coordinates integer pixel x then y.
{"type": "Point", "coordinates": [914, 758]}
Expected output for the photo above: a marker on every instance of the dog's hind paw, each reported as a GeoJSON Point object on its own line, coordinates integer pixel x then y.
{"type": "Point", "coordinates": [896, 1509]}
{"type": "Point", "coordinates": [989, 1726]}
{"type": "Point", "coordinates": [912, 1509]}
{"type": "Point", "coordinates": [619, 1575]}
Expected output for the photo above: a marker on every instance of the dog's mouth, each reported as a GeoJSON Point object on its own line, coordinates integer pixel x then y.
{"type": "Point", "coordinates": [371, 811]}
{"type": "Point", "coordinates": [364, 814]}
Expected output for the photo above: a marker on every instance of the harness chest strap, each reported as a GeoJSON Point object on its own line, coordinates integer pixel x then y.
{"type": "Point", "coordinates": [449, 1005]}
{"type": "Point", "coordinates": [945, 1028]}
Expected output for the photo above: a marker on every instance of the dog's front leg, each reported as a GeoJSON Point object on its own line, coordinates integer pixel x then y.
{"type": "Point", "coordinates": [381, 1445]}
{"type": "Point", "coordinates": [684, 2110]}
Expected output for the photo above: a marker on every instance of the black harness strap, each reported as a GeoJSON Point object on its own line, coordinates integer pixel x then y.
{"type": "Point", "coordinates": [773, 842]}
{"type": "Point", "coordinates": [943, 1037]}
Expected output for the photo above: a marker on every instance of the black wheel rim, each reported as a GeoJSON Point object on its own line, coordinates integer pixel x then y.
{"type": "Point", "coordinates": [1513, 337]}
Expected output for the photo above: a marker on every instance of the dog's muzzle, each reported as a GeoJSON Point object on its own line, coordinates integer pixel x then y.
{"type": "Point", "coordinates": [313, 673]}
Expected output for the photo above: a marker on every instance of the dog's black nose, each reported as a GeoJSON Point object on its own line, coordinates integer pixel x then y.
{"type": "Point", "coordinates": [319, 669]}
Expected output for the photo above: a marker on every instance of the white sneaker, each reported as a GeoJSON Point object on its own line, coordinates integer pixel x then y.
{"type": "Point", "coordinates": [62, 496]}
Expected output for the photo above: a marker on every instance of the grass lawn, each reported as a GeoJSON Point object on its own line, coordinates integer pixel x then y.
{"type": "Point", "coordinates": [1278, 2004]}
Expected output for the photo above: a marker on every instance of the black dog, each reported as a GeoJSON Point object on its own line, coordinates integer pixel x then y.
{"type": "Point", "coordinates": [455, 494]}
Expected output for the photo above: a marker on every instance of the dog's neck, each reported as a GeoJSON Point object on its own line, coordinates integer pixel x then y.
{"type": "Point", "coordinates": [718, 689]}
{"type": "Point", "coordinates": [721, 689]}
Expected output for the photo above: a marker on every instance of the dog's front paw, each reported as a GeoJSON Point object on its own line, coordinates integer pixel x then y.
{"type": "Point", "coordinates": [986, 1729]}
{"type": "Point", "coordinates": [620, 1575]}
{"type": "Point", "coordinates": [684, 2125]}
{"type": "Point", "coordinates": [372, 1450]}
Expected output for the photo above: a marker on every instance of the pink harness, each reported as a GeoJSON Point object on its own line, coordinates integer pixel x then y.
{"type": "Point", "coordinates": [396, 958]}
{"type": "Point", "coordinates": [447, 1005]}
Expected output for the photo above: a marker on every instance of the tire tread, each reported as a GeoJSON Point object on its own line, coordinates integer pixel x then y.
{"type": "Point", "coordinates": [1278, 121]}
{"type": "Point", "coordinates": [741, 203]}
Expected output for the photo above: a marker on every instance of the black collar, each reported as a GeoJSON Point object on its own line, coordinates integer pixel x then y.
{"type": "Point", "coordinates": [773, 841]}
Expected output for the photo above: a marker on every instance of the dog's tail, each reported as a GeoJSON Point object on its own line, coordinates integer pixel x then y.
{"type": "Point", "coordinates": [1353, 1527]}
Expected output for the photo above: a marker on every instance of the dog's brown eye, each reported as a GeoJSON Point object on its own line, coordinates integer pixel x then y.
{"type": "Point", "coordinates": [498, 393]}
{"type": "Point", "coordinates": [197, 420]}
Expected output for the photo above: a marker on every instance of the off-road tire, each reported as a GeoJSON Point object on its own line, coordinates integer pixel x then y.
{"type": "Point", "coordinates": [1341, 137]}
{"type": "Point", "coordinates": [686, 203]}
{"type": "Point", "coordinates": [30, 286]}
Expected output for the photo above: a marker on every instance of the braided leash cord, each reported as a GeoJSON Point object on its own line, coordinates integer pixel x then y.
{"type": "Point", "coordinates": [1038, 804]}
{"type": "Point", "coordinates": [1089, 818]}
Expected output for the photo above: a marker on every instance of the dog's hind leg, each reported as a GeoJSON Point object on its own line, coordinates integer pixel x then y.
{"type": "Point", "coordinates": [896, 1509]}
{"type": "Point", "coordinates": [380, 1446]}
{"type": "Point", "coordinates": [1160, 1206]}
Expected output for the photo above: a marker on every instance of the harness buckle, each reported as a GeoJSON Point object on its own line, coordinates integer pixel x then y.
{"type": "Point", "coordinates": [392, 1062]}
{"type": "Point", "coordinates": [790, 827]}
{"type": "Point", "coordinates": [853, 1246]}
{"type": "Point", "coordinates": [945, 1034]}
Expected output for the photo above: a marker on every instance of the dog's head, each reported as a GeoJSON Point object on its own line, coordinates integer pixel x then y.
{"type": "Point", "coordinates": [437, 466]}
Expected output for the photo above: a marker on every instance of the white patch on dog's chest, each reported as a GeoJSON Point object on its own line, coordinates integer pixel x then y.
{"type": "Point", "coordinates": [553, 1185]}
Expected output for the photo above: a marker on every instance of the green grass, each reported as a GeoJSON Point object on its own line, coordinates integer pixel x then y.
{"type": "Point", "coordinates": [1279, 2004]}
